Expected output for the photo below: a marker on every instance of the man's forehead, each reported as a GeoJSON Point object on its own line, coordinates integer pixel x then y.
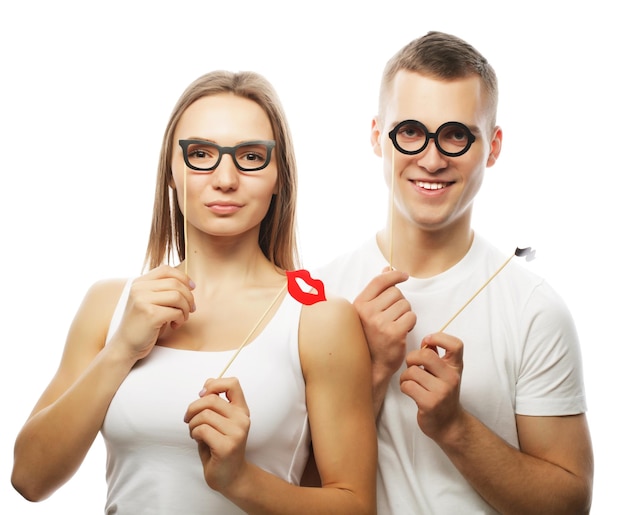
{"type": "Point", "coordinates": [433, 100]}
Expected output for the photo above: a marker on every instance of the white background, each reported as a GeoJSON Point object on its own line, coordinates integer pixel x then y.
{"type": "Point", "coordinates": [86, 91]}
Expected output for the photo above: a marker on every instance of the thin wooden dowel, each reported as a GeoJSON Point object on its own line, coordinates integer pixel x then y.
{"type": "Point", "coordinates": [391, 207]}
{"type": "Point", "coordinates": [185, 219]}
{"type": "Point", "coordinates": [477, 292]}
{"type": "Point", "coordinates": [243, 344]}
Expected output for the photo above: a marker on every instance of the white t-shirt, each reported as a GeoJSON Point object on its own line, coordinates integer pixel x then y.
{"type": "Point", "coordinates": [153, 466]}
{"type": "Point", "coordinates": [521, 356]}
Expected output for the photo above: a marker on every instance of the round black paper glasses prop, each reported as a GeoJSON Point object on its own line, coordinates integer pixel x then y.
{"type": "Point", "coordinates": [452, 139]}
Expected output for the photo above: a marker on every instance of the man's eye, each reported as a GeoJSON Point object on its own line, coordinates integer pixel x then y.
{"type": "Point", "coordinates": [411, 132]}
{"type": "Point", "coordinates": [454, 136]}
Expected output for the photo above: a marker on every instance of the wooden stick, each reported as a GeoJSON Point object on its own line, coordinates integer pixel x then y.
{"type": "Point", "coordinates": [518, 252]}
{"type": "Point", "coordinates": [391, 205]}
{"type": "Point", "coordinates": [243, 344]}
{"type": "Point", "coordinates": [185, 218]}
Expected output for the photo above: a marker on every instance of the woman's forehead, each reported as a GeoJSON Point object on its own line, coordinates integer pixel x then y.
{"type": "Point", "coordinates": [224, 115]}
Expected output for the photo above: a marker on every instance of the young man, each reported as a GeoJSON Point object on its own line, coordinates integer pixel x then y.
{"type": "Point", "coordinates": [488, 415]}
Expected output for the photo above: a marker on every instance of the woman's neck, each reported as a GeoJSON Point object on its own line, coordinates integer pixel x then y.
{"type": "Point", "coordinates": [238, 261]}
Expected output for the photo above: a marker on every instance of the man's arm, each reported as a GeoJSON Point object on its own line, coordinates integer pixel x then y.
{"type": "Point", "coordinates": [552, 472]}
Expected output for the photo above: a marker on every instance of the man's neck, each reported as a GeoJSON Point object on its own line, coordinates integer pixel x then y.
{"type": "Point", "coordinates": [425, 253]}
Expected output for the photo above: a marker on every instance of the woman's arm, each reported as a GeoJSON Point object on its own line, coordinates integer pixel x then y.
{"type": "Point", "coordinates": [337, 373]}
{"type": "Point", "coordinates": [337, 370]}
{"type": "Point", "coordinates": [66, 419]}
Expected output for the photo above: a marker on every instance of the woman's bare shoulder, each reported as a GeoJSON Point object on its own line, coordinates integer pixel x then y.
{"type": "Point", "coordinates": [97, 308]}
{"type": "Point", "coordinates": [107, 290]}
{"type": "Point", "coordinates": [86, 337]}
{"type": "Point", "coordinates": [329, 314]}
{"type": "Point", "coordinates": [329, 326]}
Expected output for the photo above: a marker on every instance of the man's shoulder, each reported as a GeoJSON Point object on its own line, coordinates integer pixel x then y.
{"type": "Point", "coordinates": [366, 251]}
{"type": "Point", "coordinates": [348, 273]}
{"type": "Point", "coordinates": [519, 282]}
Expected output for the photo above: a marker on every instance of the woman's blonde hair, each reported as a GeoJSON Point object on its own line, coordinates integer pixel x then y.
{"type": "Point", "coordinates": [277, 236]}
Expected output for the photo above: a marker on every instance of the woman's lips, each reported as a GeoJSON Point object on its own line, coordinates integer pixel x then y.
{"type": "Point", "coordinates": [305, 297]}
{"type": "Point", "coordinates": [224, 208]}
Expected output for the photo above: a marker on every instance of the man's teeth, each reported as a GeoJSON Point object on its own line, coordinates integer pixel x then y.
{"type": "Point", "coordinates": [431, 185]}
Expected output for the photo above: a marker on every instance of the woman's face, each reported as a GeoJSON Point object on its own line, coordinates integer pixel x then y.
{"type": "Point", "coordinates": [225, 201]}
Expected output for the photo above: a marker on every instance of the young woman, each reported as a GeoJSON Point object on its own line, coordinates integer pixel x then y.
{"type": "Point", "coordinates": [191, 424]}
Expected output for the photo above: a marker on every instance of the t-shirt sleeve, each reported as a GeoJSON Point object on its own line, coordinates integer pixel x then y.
{"type": "Point", "coordinates": [550, 380]}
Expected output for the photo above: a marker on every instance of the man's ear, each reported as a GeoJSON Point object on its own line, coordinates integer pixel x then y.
{"type": "Point", "coordinates": [496, 146]}
{"type": "Point", "coordinates": [375, 136]}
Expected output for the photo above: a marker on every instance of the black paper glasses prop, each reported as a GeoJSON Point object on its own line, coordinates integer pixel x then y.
{"type": "Point", "coordinates": [205, 156]}
{"type": "Point", "coordinates": [452, 139]}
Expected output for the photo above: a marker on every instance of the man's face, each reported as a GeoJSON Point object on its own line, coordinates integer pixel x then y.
{"type": "Point", "coordinates": [433, 191]}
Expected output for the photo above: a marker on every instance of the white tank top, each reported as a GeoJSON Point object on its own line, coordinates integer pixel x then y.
{"type": "Point", "coordinates": [153, 465]}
